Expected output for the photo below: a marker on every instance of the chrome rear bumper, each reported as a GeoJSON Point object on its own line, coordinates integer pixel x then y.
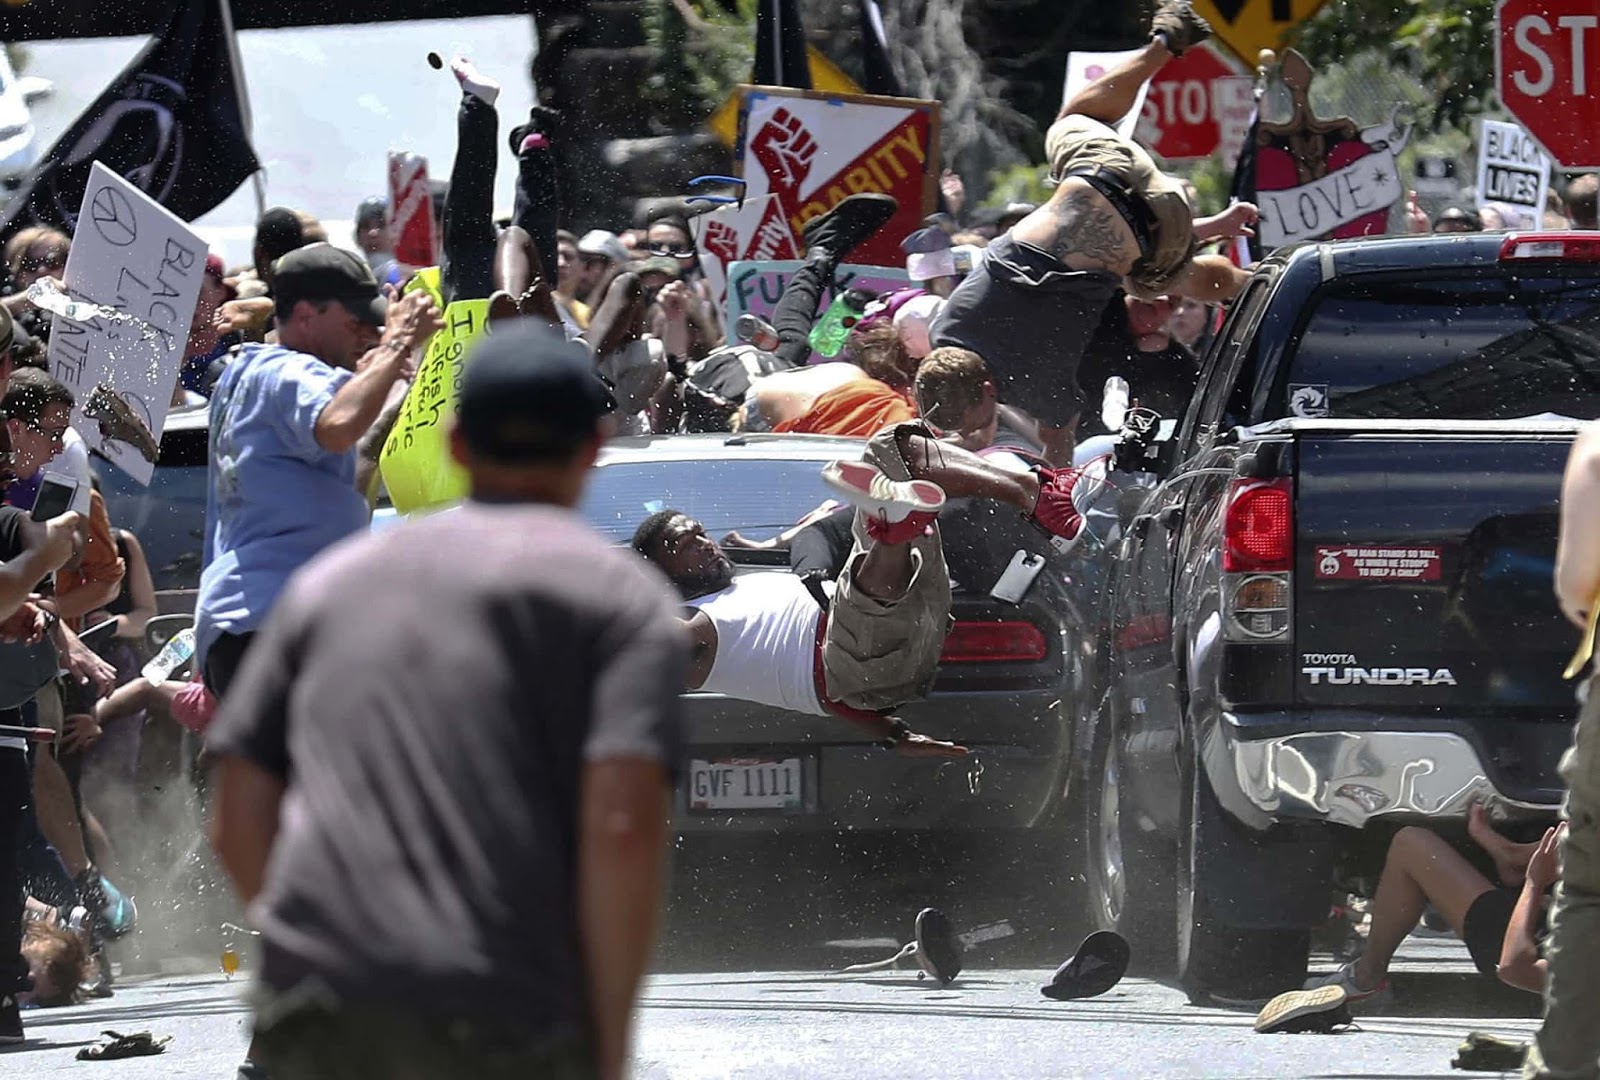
{"type": "Point", "coordinates": [1350, 777]}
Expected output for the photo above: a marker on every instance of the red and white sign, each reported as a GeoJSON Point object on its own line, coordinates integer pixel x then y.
{"type": "Point", "coordinates": [755, 232]}
{"type": "Point", "coordinates": [1378, 564]}
{"type": "Point", "coordinates": [411, 211]}
{"type": "Point", "coordinates": [1197, 105]}
{"type": "Point", "coordinates": [812, 150]}
{"type": "Point", "coordinates": [1547, 69]}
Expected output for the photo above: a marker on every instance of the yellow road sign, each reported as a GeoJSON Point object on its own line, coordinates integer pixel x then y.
{"type": "Point", "coordinates": [1248, 26]}
{"type": "Point", "coordinates": [825, 76]}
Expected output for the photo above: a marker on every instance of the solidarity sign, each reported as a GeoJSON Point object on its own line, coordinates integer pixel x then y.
{"type": "Point", "coordinates": [812, 150]}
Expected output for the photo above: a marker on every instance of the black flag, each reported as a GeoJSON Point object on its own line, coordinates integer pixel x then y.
{"type": "Point", "coordinates": [878, 75]}
{"type": "Point", "coordinates": [1246, 251]}
{"type": "Point", "coordinates": [171, 124]}
{"type": "Point", "coordinates": [781, 56]}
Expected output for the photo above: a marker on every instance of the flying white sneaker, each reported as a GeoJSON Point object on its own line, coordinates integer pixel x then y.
{"type": "Point", "coordinates": [473, 81]}
{"type": "Point", "coordinates": [874, 494]}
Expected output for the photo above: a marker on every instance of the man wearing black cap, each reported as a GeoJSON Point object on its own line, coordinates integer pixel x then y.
{"type": "Point", "coordinates": [475, 717]}
{"type": "Point", "coordinates": [285, 421]}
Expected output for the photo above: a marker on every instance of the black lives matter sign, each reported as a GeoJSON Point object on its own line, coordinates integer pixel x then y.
{"type": "Point", "coordinates": [1513, 174]}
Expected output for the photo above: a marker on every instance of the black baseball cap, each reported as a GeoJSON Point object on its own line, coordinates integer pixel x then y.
{"type": "Point", "coordinates": [528, 394]}
{"type": "Point", "coordinates": [322, 272]}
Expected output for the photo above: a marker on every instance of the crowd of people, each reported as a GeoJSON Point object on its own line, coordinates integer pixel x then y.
{"type": "Point", "coordinates": [394, 864]}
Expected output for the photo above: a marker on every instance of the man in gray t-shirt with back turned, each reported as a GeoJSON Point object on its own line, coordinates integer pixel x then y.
{"type": "Point", "coordinates": [445, 764]}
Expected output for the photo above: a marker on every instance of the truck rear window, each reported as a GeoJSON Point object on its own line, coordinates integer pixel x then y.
{"type": "Point", "coordinates": [1494, 347]}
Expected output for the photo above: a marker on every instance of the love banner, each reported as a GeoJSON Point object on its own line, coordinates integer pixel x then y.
{"type": "Point", "coordinates": [812, 150]}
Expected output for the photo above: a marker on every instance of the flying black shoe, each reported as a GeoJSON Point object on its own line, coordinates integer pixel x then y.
{"type": "Point", "coordinates": [542, 120]}
{"type": "Point", "coordinates": [849, 223]}
{"type": "Point", "coordinates": [1176, 23]}
{"type": "Point", "coordinates": [938, 951]}
{"type": "Point", "coordinates": [1096, 967]}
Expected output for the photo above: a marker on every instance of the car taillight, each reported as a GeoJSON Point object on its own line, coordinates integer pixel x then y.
{"type": "Point", "coordinates": [1258, 526]}
{"type": "Point", "coordinates": [1258, 561]}
{"type": "Point", "coordinates": [993, 642]}
{"type": "Point", "coordinates": [1529, 246]}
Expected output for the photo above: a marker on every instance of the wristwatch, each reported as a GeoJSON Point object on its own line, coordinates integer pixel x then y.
{"type": "Point", "coordinates": [899, 732]}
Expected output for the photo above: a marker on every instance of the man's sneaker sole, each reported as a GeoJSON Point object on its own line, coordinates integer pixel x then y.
{"type": "Point", "coordinates": [852, 481]}
{"type": "Point", "coordinates": [1286, 1008]}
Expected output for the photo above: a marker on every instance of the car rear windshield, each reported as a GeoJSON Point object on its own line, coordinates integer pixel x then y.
{"type": "Point", "coordinates": [759, 497]}
{"type": "Point", "coordinates": [1492, 347]}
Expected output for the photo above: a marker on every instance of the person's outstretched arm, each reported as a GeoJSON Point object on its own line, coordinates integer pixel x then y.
{"type": "Point", "coordinates": [1520, 963]}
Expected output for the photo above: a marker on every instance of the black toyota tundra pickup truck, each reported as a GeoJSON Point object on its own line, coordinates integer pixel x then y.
{"type": "Point", "coordinates": [1329, 608]}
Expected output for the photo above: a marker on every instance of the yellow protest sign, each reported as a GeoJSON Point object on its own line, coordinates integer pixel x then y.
{"type": "Point", "coordinates": [415, 462]}
{"type": "Point", "coordinates": [1248, 26]}
{"type": "Point", "coordinates": [825, 77]}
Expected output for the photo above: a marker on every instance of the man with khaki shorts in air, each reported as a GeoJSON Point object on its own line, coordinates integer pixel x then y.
{"type": "Point", "coordinates": [1115, 221]}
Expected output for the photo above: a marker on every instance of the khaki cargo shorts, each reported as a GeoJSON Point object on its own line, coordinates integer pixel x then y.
{"type": "Point", "coordinates": [1078, 142]}
{"type": "Point", "coordinates": [878, 655]}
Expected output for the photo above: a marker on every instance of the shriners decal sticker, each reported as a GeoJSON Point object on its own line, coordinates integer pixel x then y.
{"type": "Point", "coordinates": [1352, 563]}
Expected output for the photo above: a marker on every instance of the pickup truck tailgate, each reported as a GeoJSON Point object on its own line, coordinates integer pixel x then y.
{"type": "Point", "coordinates": [1423, 571]}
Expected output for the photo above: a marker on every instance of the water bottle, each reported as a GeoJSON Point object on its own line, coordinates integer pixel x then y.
{"type": "Point", "coordinates": [178, 651]}
{"type": "Point", "coordinates": [832, 330]}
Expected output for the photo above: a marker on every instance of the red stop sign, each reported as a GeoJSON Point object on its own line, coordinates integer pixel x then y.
{"type": "Point", "coordinates": [1184, 105]}
{"type": "Point", "coordinates": [1547, 67]}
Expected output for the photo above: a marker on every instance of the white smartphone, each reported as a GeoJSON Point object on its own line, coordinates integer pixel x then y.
{"type": "Point", "coordinates": [1018, 577]}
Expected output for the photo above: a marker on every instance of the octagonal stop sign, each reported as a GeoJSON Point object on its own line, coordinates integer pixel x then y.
{"type": "Point", "coordinates": [1547, 69]}
{"type": "Point", "coordinates": [1186, 108]}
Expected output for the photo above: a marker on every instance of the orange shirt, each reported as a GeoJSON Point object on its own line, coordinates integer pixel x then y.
{"type": "Point", "coordinates": [862, 408]}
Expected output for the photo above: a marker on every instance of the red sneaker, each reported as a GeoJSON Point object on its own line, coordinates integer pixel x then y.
{"type": "Point", "coordinates": [1056, 512]}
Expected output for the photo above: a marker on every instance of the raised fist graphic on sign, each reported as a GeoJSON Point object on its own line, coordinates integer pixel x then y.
{"type": "Point", "coordinates": [785, 150]}
{"type": "Point", "coordinates": [721, 242]}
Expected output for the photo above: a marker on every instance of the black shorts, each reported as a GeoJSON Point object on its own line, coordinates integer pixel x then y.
{"type": "Point", "coordinates": [1483, 928]}
{"type": "Point", "coordinates": [1030, 317]}
{"type": "Point", "coordinates": [223, 661]}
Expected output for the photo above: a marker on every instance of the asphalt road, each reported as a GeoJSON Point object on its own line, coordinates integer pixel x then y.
{"type": "Point", "coordinates": [992, 1023]}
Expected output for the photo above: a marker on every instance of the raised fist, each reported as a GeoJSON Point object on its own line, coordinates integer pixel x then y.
{"type": "Point", "coordinates": [785, 150]}
{"type": "Point", "coordinates": [721, 242]}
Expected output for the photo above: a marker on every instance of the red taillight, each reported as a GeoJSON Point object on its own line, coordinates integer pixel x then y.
{"type": "Point", "coordinates": [1258, 526]}
{"type": "Point", "coordinates": [1574, 246]}
{"type": "Point", "coordinates": [993, 642]}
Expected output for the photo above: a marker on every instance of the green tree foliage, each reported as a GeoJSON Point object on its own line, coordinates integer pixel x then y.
{"type": "Point", "coordinates": [702, 52]}
{"type": "Point", "coordinates": [1446, 45]}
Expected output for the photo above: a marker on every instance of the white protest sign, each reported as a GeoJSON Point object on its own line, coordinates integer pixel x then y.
{"type": "Point", "coordinates": [1513, 174]}
{"type": "Point", "coordinates": [730, 234]}
{"type": "Point", "coordinates": [1084, 68]}
{"type": "Point", "coordinates": [132, 254]}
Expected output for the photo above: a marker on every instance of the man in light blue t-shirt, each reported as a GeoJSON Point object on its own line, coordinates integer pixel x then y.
{"type": "Point", "coordinates": [285, 423]}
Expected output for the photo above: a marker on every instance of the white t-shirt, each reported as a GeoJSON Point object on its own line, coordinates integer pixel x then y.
{"type": "Point", "coordinates": [766, 641]}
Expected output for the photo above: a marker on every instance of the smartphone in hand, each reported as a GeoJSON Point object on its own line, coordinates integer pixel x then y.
{"type": "Point", "coordinates": [56, 493]}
